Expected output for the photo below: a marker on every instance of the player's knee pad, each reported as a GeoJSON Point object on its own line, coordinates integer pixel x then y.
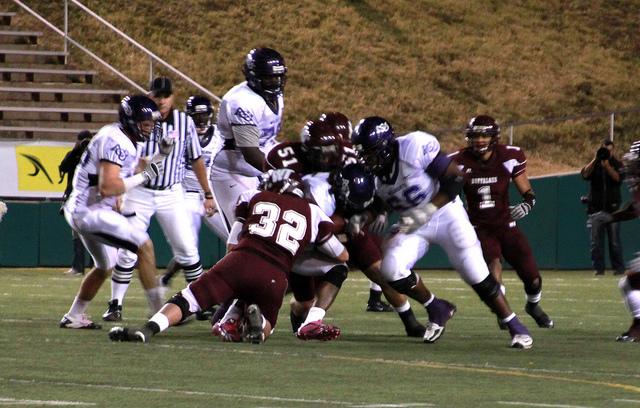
{"type": "Point", "coordinates": [488, 288]}
{"type": "Point", "coordinates": [405, 285]}
{"type": "Point", "coordinates": [336, 275]}
{"type": "Point", "coordinates": [182, 303]}
{"type": "Point", "coordinates": [122, 274]}
{"type": "Point", "coordinates": [534, 286]}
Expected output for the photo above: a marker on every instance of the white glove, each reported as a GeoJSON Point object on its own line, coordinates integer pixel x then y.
{"type": "Point", "coordinates": [634, 264]}
{"type": "Point", "coordinates": [278, 175]}
{"type": "Point", "coordinates": [153, 170]}
{"type": "Point", "coordinates": [167, 143]}
{"type": "Point", "coordinates": [519, 211]}
{"type": "Point", "coordinates": [3, 209]}
{"type": "Point", "coordinates": [378, 225]}
{"type": "Point", "coordinates": [415, 218]}
{"type": "Point", "coordinates": [355, 224]}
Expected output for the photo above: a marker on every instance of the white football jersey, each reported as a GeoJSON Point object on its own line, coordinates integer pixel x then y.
{"type": "Point", "coordinates": [109, 144]}
{"type": "Point", "coordinates": [242, 106]}
{"type": "Point", "coordinates": [190, 181]}
{"type": "Point", "coordinates": [318, 188]}
{"type": "Point", "coordinates": [409, 185]}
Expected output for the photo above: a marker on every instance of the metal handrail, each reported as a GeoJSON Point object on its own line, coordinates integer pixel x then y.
{"type": "Point", "coordinates": [146, 51]}
{"type": "Point", "coordinates": [74, 42]}
{"type": "Point", "coordinates": [152, 57]}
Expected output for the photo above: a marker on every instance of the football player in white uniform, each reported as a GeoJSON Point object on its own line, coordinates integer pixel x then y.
{"type": "Point", "coordinates": [105, 172]}
{"type": "Point", "coordinates": [416, 179]}
{"type": "Point", "coordinates": [250, 117]}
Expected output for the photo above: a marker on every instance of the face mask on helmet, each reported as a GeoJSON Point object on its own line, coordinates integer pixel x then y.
{"type": "Point", "coordinates": [265, 72]}
{"type": "Point", "coordinates": [322, 145]}
{"type": "Point", "coordinates": [138, 116]}
{"type": "Point", "coordinates": [354, 187]}
{"type": "Point", "coordinates": [274, 182]}
{"type": "Point", "coordinates": [482, 133]}
{"type": "Point", "coordinates": [374, 140]}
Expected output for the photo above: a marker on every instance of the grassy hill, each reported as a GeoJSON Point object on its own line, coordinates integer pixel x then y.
{"type": "Point", "coordinates": [428, 65]}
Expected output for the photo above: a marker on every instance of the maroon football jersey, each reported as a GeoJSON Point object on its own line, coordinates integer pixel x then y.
{"type": "Point", "coordinates": [280, 226]}
{"type": "Point", "coordinates": [486, 185]}
{"type": "Point", "coordinates": [289, 155]}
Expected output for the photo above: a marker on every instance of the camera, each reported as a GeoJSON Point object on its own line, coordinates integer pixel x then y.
{"type": "Point", "coordinates": [603, 153]}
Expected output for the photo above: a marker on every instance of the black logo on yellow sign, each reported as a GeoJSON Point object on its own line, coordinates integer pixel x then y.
{"type": "Point", "coordinates": [37, 166]}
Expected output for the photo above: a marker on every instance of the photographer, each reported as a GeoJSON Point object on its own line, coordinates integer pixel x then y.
{"type": "Point", "coordinates": [603, 174]}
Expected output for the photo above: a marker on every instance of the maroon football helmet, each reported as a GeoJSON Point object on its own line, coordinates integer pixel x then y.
{"type": "Point", "coordinates": [340, 123]}
{"type": "Point", "coordinates": [322, 145]}
{"type": "Point", "coordinates": [482, 125]}
{"type": "Point", "coordinates": [282, 181]}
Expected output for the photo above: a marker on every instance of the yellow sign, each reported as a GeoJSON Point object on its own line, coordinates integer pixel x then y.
{"type": "Point", "coordinates": [38, 168]}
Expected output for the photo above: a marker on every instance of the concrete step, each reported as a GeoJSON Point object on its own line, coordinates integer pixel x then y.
{"type": "Point", "coordinates": [61, 94]}
{"type": "Point", "coordinates": [53, 124]}
{"type": "Point", "coordinates": [37, 132]}
{"type": "Point", "coordinates": [19, 37]}
{"type": "Point", "coordinates": [65, 114]}
{"type": "Point", "coordinates": [46, 75]}
{"type": "Point", "coordinates": [13, 56]}
{"type": "Point", "coordinates": [61, 105]}
{"type": "Point", "coordinates": [5, 18]}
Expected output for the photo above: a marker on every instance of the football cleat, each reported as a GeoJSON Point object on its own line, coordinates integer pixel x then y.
{"type": "Point", "coordinates": [542, 319]}
{"type": "Point", "coordinates": [229, 331]}
{"type": "Point", "coordinates": [73, 272]}
{"type": "Point", "coordinates": [318, 331]}
{"type": "Point", "coordinates": [82, 322]}
{"type": "Point", "coordinates": [114, 312]}
{"type": "Point", "coordinates": [253, 325]}
{"type": "Point", "coordinates": [118, 333]}
{"type": "Point", "coordinates": [440, 311]}
{"type": "Point", "coordinates": [379, 306]}
{"type": "Point", "coordinates": [626, 337]}
{"type": "Point", "coordinates": [521, 341]}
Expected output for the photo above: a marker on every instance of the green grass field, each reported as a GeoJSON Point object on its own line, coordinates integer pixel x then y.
{"type": "Point", "coordinates": [576, 364]}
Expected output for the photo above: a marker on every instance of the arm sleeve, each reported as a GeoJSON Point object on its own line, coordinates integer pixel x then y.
{"type": "Point", "coordinates": [246, 135]}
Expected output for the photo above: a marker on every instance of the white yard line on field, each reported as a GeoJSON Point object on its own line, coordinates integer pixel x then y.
{"type": "Point", "coordinates": [212, 394]}
{"type": "Point", "coordinates": [534, 404]}
{"type": "Point", "coordinates": [12, 401]}
{"type": "Point", "coordinates": [627, 401]}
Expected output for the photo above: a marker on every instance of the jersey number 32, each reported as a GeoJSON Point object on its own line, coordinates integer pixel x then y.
{"type": "Point", "coordinates": [288, 235]}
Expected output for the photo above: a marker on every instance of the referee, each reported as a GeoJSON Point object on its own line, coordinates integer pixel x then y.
{"type": "Point", "coordinates": [164, 197]}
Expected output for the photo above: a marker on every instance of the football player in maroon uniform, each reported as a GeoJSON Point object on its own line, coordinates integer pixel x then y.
{"type": "Point", "coordinates": [272, 228]}
{"type": "Point", "coordinates": [489, 166]}
{"type": "Point", "coordinates": [322, 149]}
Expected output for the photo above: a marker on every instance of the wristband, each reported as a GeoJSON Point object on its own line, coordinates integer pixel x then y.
{"type": "Point", "coordinates": [133, 181]}
{"type": "Point", "coordinates": [208, 195]}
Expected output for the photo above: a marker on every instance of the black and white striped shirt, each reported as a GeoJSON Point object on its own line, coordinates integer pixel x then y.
{"type": "Point", "coordinates": [187, 147]}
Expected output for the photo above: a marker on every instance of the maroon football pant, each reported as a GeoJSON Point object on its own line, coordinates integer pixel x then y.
{"type": "Point", "coordinates": [513, 245]}
{"type": "Point", "coordinates": [246, 276]}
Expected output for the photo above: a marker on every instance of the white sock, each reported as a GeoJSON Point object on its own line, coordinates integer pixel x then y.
{"type": "Point", "coordinates": [78, 307]}
{"type": "Point", "coordinates": [374, 286]}
{"type": "Point", "coordinates": [534, 298]}
{"type": "Point", "coordinates": [161, 320]}
{"type": "Point", "coordinates": [406, 306]}
{"type": "Point", "coordinates": [154, 297]}
{"type": "Point", "coordinates": [118, 291]}
{"type": "Point", "coordinates": [508, 318]}
{"type": "Point", "coordinates": [631, 297]}
{"type": "Point", "coordinates": [315, 314]}
{"type": "Point", "coordinates": [428, 302]}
